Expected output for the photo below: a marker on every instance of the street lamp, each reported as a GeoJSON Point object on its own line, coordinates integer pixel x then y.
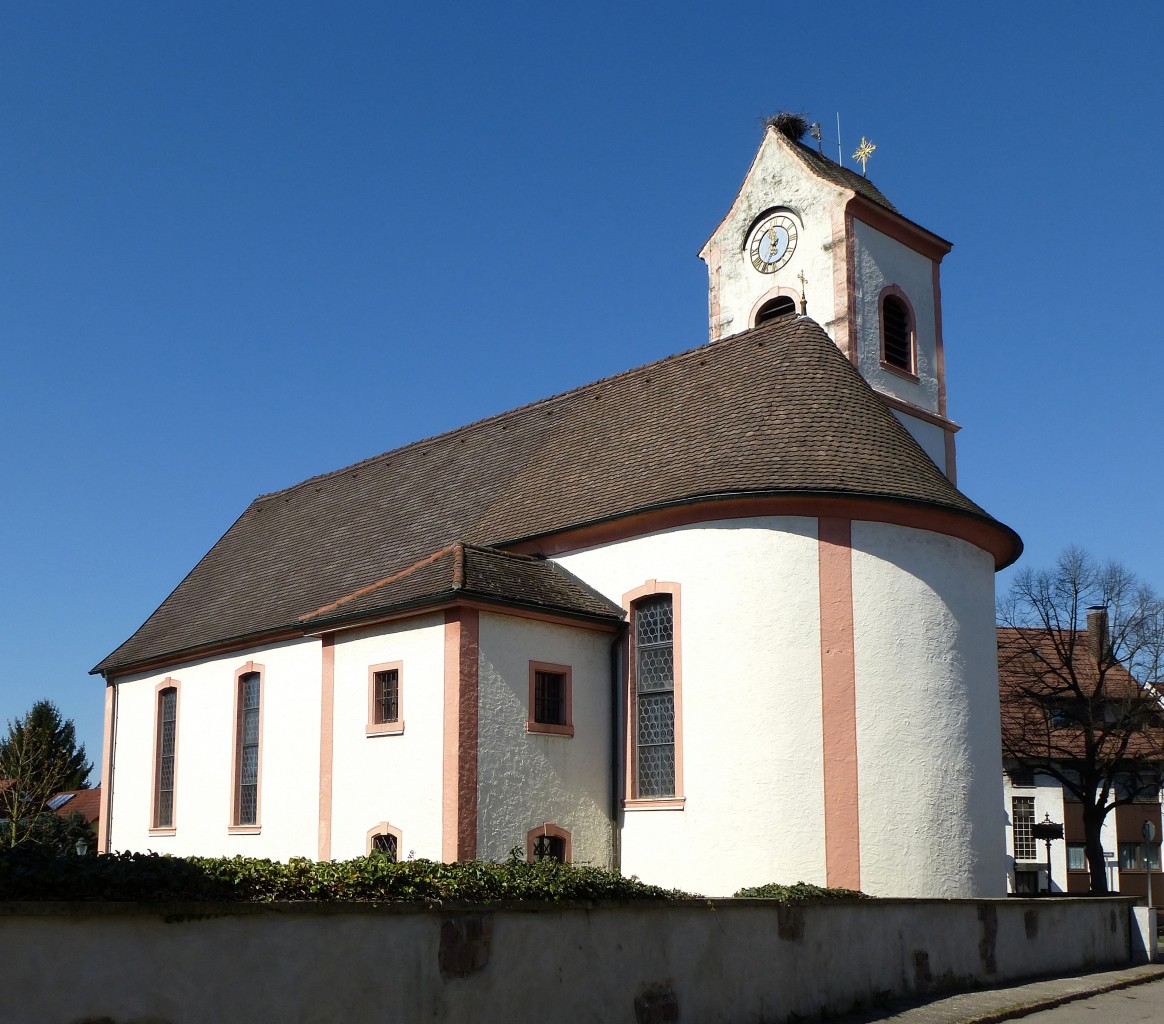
{"type": "Point", "coordinates": [1149, 834]}
{"type": "Point", "coordinates": [1047, 830]}
{"type": "Point", "coordinates": [82, 847]}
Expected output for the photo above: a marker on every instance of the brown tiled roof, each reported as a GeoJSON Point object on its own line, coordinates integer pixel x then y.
{"type": "Point", "coordinates": [773, 411]}
{"type": "Point", "coordinates": [465, 571]}
{"type": "Point", "coordinates": [842, 176]}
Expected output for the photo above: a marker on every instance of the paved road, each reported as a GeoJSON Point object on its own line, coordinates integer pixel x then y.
{"type": "Point", "coordinates": [1137, 1005]}
{"type": "Point", "coordinates": [1117, 992]}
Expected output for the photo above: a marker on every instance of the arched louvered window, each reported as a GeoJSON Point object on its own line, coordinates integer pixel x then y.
{"type": "Point", "coordinates": [782, 305]}
{"type": "Point", "coordinates": [897, 334]}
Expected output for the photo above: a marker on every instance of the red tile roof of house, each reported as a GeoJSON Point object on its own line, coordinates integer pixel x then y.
{"type": "Point", "coordinates": [86, 802]}
{"type": "Point", "coordinates": [1033, 678]}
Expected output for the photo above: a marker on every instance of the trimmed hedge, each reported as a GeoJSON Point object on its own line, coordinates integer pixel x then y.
{"type": "Point", "coordinates": [150, 877]}
{"type": "Point", "coordinates": [801, 892]}
{"type": "Point", "coordinates": [27, 874]}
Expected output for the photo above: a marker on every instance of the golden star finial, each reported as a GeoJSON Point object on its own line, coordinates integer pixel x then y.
{"type": "Point", "coordinates": [864, 151]}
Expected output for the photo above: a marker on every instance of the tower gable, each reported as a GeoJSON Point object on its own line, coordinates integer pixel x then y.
{"type": "Point", "coordinates": [851, 254]}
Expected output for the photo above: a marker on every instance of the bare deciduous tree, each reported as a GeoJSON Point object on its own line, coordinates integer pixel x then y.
{"type": "Point", "coordinates": [1080, 661]}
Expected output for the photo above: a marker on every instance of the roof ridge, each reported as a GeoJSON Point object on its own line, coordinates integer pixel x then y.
{"type": "Point", "coordinates": [347, 598]}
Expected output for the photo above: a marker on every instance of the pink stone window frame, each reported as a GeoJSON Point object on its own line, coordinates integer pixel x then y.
{"type": "Point", "coordinates": [234, 828]}
{"type": "Point", "coordinates": [630, 709]}
{"type": "Point", "coordinates": [896, 292]}
{"type": "Point", "coordinates": [548, 828]}
{"type": "Point", "coordinates": [155, 830]}
{"type": "Point", "coordinates": [551, 728]}
{"type": "Point", "coordinates": [385, 829]}
{"type": "Point", "coordinates": [375, 728]}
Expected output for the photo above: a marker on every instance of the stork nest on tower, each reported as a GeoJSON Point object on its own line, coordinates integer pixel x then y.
{"type": "Point", "coordinates": [791, 126]}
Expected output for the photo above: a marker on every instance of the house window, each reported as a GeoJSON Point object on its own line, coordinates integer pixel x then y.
{"type": "Point", "coordinates": [248, 744]}
{"type": "Point", "coordinates": [386, 699]}
{"type": "Point", "coordinates": [897, 332]}
{"type": "Point", "coordinates": [1132, 856]}
{"type": "Point", "coordinates": [1022, 778]}
{"type": "Point", "coordinates": [166, 747]}
{"type": "Point", "coordinates": [782, 305]}
{"type": "Point", "coordinates": [1026, 883]}
{"type": "Point", "coordinates": [550, 699]}
{"type": "Point", "coordinates": [548, 842]}
{"type": "Point", "coordinates": [1022, 819]}
{"type": "Point", "coordinates": [385, 840]}
{"type": "Point", "coordinates": [1076, 857]}
{"type": "Point", "coordinates": [654, 639]}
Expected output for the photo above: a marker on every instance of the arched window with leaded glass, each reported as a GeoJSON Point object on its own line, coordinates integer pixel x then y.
{"type": "Point", "coordinates": [655, 711]}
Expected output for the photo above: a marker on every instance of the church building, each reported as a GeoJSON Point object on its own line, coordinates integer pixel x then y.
{"type": "Point", "coordinates": [719, 620]}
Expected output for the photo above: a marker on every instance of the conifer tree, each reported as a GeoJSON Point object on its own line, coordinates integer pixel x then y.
{"type": "Point", "coordinates": [39, 757]}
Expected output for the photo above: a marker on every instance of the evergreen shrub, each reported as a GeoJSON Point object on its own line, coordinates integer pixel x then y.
{"type": "Point", "coordinates": [150, 877]}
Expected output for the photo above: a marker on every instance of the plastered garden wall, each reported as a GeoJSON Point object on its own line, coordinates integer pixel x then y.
{"type": "Point", "coordinates": [706, 960]}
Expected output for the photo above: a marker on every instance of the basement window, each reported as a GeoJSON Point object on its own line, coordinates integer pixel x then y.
{"type": "Point", "coordinates": [548, 842]}
{"type": "Point", "coordinates": [384, 839]}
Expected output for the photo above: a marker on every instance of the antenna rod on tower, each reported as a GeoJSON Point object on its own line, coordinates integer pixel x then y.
{"type": "Point", "coordinates": [840, 155]}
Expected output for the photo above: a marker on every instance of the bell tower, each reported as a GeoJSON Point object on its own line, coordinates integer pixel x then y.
{"type": "Point", "coordinates": [807, 236]}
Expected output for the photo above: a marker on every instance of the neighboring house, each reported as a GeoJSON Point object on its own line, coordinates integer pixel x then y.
{"type": "Point", "coordinates": [1040, 728]}
{"type": "Point", "coordinates": [85, 802]}
{"type": "Point", "coordinates": [719, 620]}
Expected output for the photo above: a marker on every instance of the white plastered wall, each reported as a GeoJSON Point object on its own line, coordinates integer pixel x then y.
{"type": "Point", "coordinates": [777, 178]}
{"type": "Point", "coordinates": [205, 745]}
{"type": "Point", "coordinates": [878, 261]}
{"type": "Point", "coordinates": [931, 437]}
{"type": "Point", "coordinates": [388, 777]}
{"type": "Point", "coordinates": [526, 779]}
{"type": "Point", "coordinates": [928, 741]}
{"type": "Point", "coordinates": [751, 702]}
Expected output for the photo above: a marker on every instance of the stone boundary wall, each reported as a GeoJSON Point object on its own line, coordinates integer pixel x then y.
{"type": "Point", "coordinates": [697, 960]}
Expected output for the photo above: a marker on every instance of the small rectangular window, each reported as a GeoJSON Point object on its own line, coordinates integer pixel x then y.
{"type": "Point", "coordinates": [1076, 857]}
{"type": "Point", "coordinates": [550, 699]}
{"type": "Point", "coordinates": [387, 696]}
{"type": "Point", "coordinates": [386, 699]}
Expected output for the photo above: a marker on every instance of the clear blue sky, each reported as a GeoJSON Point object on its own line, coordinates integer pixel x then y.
{"type": "Point", "coordinates": [241, 244]}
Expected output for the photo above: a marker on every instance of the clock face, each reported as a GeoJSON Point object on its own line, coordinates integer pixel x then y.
{"type": "Point", "coordinates": [772, 243]}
